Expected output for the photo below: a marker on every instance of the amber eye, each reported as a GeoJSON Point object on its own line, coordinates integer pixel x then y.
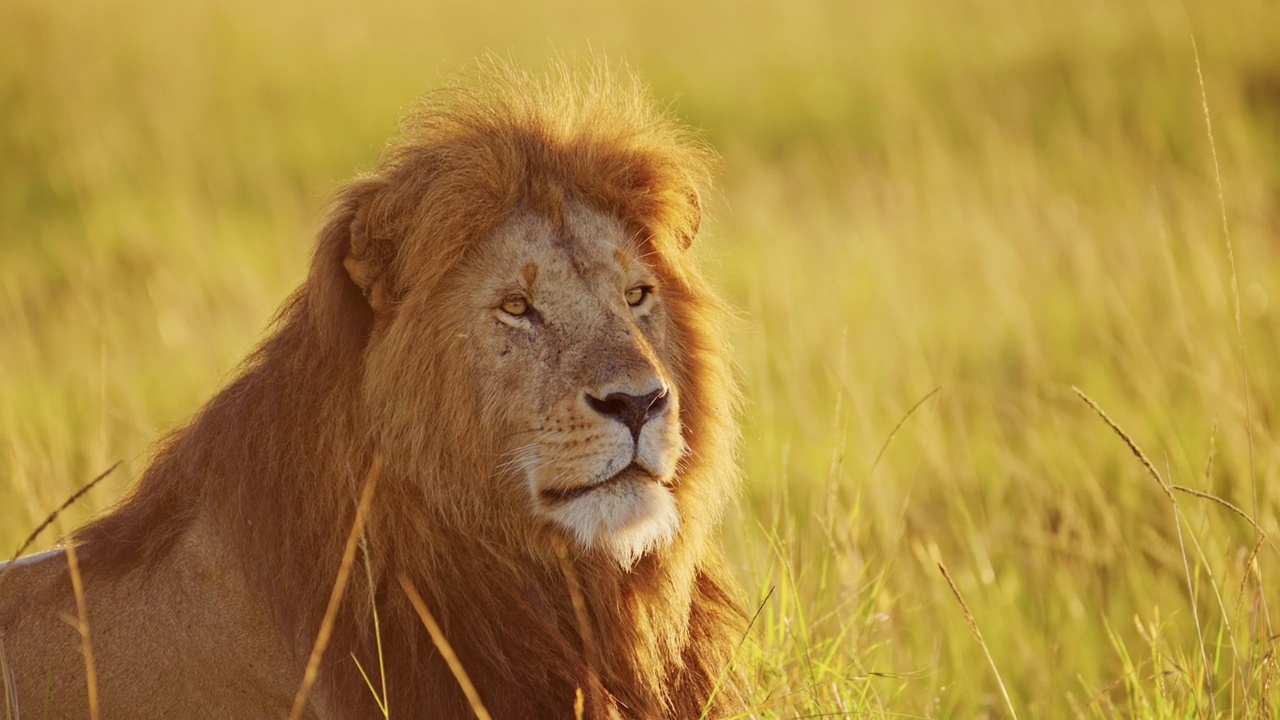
{"type": "Point", "coordinates": [637, 294]}
{"type": "Point", "coordinates": [515, 305]}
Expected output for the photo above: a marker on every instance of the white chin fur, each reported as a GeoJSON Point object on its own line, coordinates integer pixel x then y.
{"type": "Point", "coordinates": [625, 520]}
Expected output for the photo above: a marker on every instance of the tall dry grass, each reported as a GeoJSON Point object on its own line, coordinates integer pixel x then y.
{"type": "Point", "coordinates": [999, 199]}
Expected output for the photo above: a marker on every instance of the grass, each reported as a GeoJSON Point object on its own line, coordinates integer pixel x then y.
{"type": "Point", "coordinates": [355, 539]}
{"type": "Point", "coordinates": [1000, 199]}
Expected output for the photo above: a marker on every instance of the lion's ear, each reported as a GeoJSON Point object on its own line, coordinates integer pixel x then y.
{"type": "Point", "coordinates": [365, 263]}
{"type": "Point", "coordinates": [692, 218]}
{"type": "Point", "coordinates": [344, 288]}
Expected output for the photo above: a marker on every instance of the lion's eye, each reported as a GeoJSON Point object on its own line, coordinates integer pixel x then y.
{"type": "Point", "coordinates": [637, 294]}
{"type": "Point", "coordinates": [515, 305]}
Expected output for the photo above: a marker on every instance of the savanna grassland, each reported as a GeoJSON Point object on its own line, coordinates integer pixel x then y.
{"type": "Point", "coordinates": [991, 201]}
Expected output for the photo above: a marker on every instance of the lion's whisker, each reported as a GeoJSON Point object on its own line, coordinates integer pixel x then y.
{"type": "Point", "coordinates": [517, 456]}
{"type": "Point", "coordinates": [523, 432]}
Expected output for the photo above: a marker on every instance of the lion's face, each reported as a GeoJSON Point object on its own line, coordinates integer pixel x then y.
{"type": "Point", "coordinates": [568, 329]}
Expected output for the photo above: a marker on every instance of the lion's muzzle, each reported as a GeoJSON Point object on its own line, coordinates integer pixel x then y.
{"type": "Point", "coordinates": [632, 411]}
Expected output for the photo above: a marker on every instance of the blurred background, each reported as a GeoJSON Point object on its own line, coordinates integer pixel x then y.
{"type": "Point", "coordinates": [996, 199]}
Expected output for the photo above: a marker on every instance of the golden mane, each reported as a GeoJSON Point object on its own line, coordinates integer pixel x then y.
{"type": "Point", "coordinates": [273, 463]}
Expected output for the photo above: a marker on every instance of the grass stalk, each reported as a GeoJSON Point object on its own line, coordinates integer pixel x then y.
{"type": "Point", "coordinates": [377, 630]}
{"type": "Point", "coordinates": [580, 615]}
{"type": "Point", "coordinates": [446, 650]}
{"type": "Point", "coordinates": [1241, 341]}
{"type": "Point", "coordinates": [53, 516]}
{"type": "Point", "coordinates": [311, 673]}
{"type": "Point", "coordinates": [1166, 488]}
{"type": "Point", "coordinates": [977, 633]}
{"type": "Point", "coordinates": [82, 625]}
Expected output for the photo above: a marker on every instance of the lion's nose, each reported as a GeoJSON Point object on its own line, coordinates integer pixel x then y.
{"type": "Point", "coordinates": [630, 410]}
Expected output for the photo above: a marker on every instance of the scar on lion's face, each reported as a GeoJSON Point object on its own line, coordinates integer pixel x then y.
{"type": "Point", "coordinates": [574, 318]}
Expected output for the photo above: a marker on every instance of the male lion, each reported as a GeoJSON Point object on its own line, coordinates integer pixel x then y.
{"type": "Point", "coordinates": [505, 316]}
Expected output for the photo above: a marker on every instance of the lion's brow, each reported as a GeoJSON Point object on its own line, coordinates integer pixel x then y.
{"type": "Point", "coordinates": [530, 273]}
{"type": "Point", "coordinates": [623, 259]}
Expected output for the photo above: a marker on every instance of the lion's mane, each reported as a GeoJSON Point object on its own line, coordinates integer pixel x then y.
{"type": "Point", "coordinates": [274, 461]}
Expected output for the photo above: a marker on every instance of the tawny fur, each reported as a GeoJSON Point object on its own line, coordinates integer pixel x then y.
{"type": "Point", "coordinates": [207, 585]}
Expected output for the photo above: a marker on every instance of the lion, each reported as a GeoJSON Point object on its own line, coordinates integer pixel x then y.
{"type": "Point", "coordinates": [505, 315]}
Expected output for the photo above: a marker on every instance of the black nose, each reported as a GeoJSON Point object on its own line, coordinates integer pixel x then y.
{"type": "Point", "coordinates": [630, 410]}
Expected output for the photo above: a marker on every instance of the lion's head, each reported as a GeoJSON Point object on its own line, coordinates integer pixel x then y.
{"type": "Point", "coordinates": [535, 326]}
